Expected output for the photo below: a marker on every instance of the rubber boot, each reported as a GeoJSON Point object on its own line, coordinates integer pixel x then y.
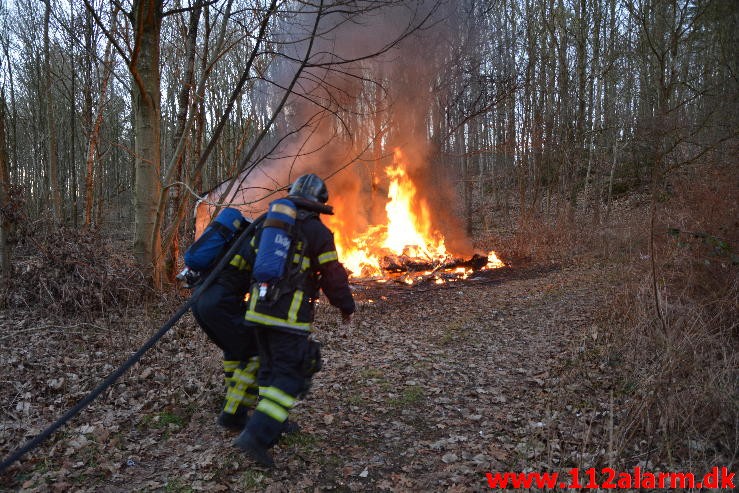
{"type": "Point", "coordinates": [268, 423]}
{"type": "Point", "coordinates": [236, 421]}
{"type": "Point", "coordinates": [291, 427]}
{"type": "Point", "coordinates": [259, 452]}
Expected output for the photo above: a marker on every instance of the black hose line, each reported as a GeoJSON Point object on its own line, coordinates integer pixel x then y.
{"type": "Point", "coordinates": [38, 439]}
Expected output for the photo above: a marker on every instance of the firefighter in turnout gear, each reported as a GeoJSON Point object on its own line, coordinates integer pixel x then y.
{"type": "Point", "coordinates": [220, 313]}
{"type": "Point", "coordinates": [283, 311]}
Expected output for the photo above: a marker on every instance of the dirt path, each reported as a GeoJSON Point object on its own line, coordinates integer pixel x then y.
{"type": "Point", "coordinates": [431, 389]}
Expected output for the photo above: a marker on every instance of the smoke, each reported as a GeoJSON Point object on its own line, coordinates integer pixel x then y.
{"type": "Point", "coordinates": [350, 111]}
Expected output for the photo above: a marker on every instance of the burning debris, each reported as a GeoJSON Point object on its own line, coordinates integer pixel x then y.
{"type": "Point", "coordinates": [409, 270]}
{"type": "Point", "coordinates": [404, 263]}
{"type": "Point", "coordinates": [406, 247]}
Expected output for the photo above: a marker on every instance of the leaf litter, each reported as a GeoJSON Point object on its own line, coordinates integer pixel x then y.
{"type": "Point", "coordinates": [429, 389]}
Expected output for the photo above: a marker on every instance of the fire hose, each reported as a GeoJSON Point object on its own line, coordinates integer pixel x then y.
{"type": "Point", "coordinates": [115, 375]}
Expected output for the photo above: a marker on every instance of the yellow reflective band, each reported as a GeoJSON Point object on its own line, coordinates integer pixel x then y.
{"type": "Point", "coordinates": [292, 314]}
{"type": "Point", "coordinates": [305, 264]}
{"type": "Point", "coordinates": [238, 262]}
{"type": "Point", "coordinates": [261, 318]}
{"type": "Point", "coordinates": [230, 365]}
{"type": "Point", "coordinates": [252, 241]}
{"type": "Point", "coordinates": [253, 298]}
{"type": "Point", "coordinates": [240, 384]}
{"type": "Point", "coordinates": [283, 209]}
{"type": "Point", "coordinates": [280, 397]}
{"type": "Point", "coordinates": [234, 396]}
{"type": "Point", "coordinates": [231, 406]}
{"type": "Point", "coordinates": [244, 378]}
{"type": "Point", "coordinates": [235, 393]}
{"type": "Point", "coordinates": [327, 257]}
{"type": "Point", "coordinates": [248, 400]}
{"type": "Point", "coordinates": [252, 366]}
{"type": "Point", "coordinates": [272, 410]}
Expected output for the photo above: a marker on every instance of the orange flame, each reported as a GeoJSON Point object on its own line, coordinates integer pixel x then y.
{"type": "Point", "coordinates": [408, 230]}
{"type": "Point", "coordinates": [493, 261]}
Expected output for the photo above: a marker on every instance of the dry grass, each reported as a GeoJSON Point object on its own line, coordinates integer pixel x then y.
{"type": "Point", "coordinates": [677, 371]}
{"type": "Point", "coordinates": [542, 240]}
{"type": "Point", "coordinates": [681, 385]}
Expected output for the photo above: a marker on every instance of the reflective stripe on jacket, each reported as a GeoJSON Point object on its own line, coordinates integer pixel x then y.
{"type": "Point", "coordinates": [294, 307]}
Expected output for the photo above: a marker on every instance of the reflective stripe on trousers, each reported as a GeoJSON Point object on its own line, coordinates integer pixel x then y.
{"type": "Point", "coordinates": [242, 388]}
{"type": "Point", "coordinates": [275, 403]}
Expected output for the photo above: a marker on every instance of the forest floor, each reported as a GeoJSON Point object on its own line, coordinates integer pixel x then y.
{"type": "Point", "coordinates": [428, 390]}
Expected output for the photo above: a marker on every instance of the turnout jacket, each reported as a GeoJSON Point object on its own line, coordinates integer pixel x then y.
{"type": "Point", "coordinates": [316, 259]}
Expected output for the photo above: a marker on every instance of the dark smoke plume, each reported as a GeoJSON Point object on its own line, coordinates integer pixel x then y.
{"type": "Point", "coordinates": [344, 120]}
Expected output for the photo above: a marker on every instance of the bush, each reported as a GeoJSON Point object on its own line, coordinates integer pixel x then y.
{"type": "Point", "coordinates": [682, 378]}
{"type": "Point", "coordinates": [65, 271]}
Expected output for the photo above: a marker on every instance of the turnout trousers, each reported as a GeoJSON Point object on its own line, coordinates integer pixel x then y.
{"type": "Point", "coordinates": [282, 380]}
{"type": "Point", "coordinates": [220, 313]}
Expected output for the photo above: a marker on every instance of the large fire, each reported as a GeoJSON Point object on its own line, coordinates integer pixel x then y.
{"type": "Point", "coordinates": [408, 231]}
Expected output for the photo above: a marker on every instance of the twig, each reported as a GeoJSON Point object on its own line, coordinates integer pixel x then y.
{"type": "Point", "coordinates": [586, 441]}
{"type": "Point", "coordinates": [53, 328]}
{"type": "Point", "coordinates": [655, 289]}
{"type": "Point", "coordinates": [610, 433]}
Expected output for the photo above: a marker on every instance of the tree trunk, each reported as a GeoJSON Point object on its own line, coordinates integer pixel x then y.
{"type": "Point", "coordinates": [144, 68]}
{"type": "Point", "coordinates": [92, 145]}
{"type": "Point", "coordinates": [73, 197]}
{"type": "Point", "coordinates": [5, 222]}
{"type": "Point", "coordinates": [53, 164]}
{"type": "Point", "coordinates": [183, 103]}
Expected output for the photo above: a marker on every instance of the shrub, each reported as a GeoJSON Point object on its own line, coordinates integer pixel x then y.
{"type": "Point", "coordinates": [66, 271]}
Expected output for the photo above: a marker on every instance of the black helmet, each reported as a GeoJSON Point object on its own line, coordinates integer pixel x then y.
{"type": "Point", "coordinates": [310, 187]}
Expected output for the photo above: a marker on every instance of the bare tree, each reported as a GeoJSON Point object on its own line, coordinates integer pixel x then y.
{"type": "Point", "coordinates": [51, 136]}
{"type": "Point", "coordinates": [94, 136]}
{"type": "Point", "coordinates": [5, 213]}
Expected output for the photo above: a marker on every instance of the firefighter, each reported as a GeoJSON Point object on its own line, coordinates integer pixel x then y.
{"type": "Point", "coordinates": [288, 355]}
{"type": "Point", "coordinates": [220, 313]}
